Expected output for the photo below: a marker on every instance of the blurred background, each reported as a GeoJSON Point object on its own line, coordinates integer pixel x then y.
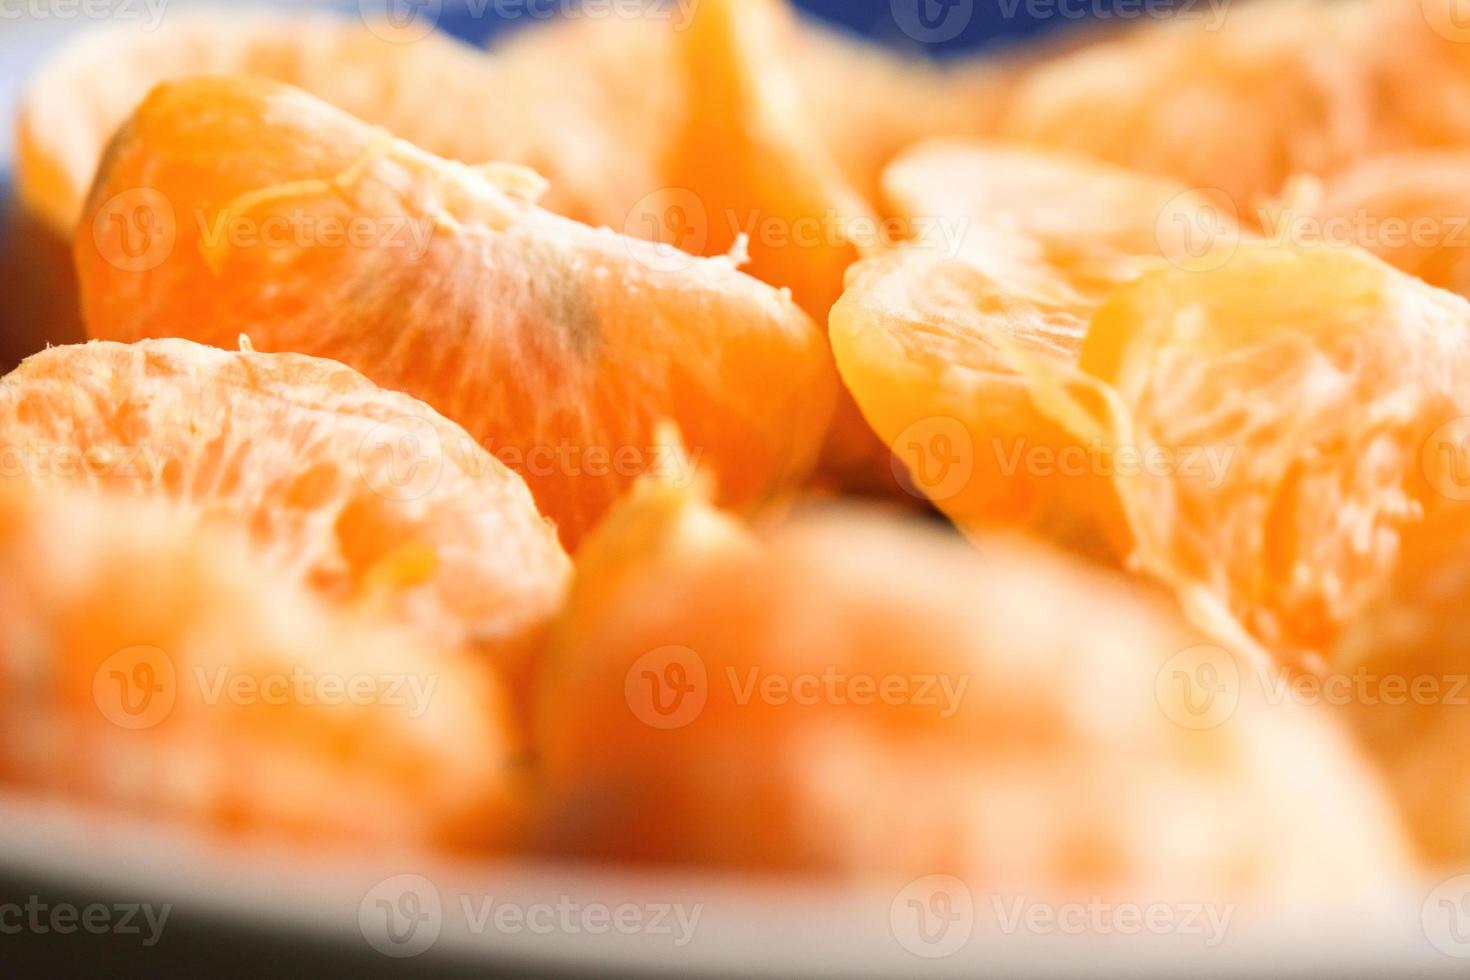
{"type": "Point", "coordinates": [938, 28]}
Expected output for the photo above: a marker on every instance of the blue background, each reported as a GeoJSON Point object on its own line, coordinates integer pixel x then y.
{"type": "Point", "coordinates": [991, 21]}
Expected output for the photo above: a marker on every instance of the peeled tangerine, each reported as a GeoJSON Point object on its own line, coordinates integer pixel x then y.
{"type": "Point", "coordinates": [951, 342]}
{"type": "Point", "coordinates": [783, 701]}
{"type": "Point", "coordinates": [79, 97]}
{"type": "Point", "coordinates": [161, 667]}
{"type": "Point", "coordinates": [1405, 669]}
{"type": "Point", "coordinates": [1410, 209]}
{"type": "Point", "coordinates": [1238, 98]}
{"type": "Point", "coordinates": [1308, 381]}
{"type": "Point", "coordinates": [241, 206]}
{"type": "Point", "coordinates": [366, 497]}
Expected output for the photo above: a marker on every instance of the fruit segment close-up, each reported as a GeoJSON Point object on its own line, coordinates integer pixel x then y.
{"type": "Point", "coordinates": [559, 347]}
{"type": "Point", "coordinates": [735, 488]}
{"type": "Point", "coordinates": [952, 341]}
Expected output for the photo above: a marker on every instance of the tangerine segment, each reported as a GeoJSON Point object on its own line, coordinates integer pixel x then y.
{"type": "Point", "coordinates": [1284, 399]}
{"type": "Point", "coordinates": [421, 90]}
{"type": "Point", "coordinates": [924, 723]}
{"type": "Point", "coordinates": [1239, 102]}
{"type": "Point", "coordinates": [950, 342]}
{"type": "Point", "coordinates": [1409, 209]}
{"type": "Point", "coordinates": [160, 666]}
{"type": "Point", "coordinates": [749, 171]}
{"type": "Point", "coordinates": [363, 495]}
{"type": "Point", "coordinates": [559, 348]}
{"type": "Point", "coordinates": [1406, 662]}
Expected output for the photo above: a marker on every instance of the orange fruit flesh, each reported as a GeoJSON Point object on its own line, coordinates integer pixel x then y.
{"type": "Point", "coordinates": [690, 717]}
{"type": "Point", "coordinates": [1406, 659]}
{"type": "Point", "coordinates": [1409, 209]}
{"type": "Point", "coordinates": [366, 496]}
{"type": "Point", "coordinates": [1238, 104]}
{"type": "Point", "coordinates": [558, 347]}
{"type": "Point", "coordinates": [950, 342]}
{"type": "Point", "coordinates": [71, 109]}
{"type": "Point", "coordinates": [1312, 379]}
{"type": "Point", "coordinates": [160, 667]}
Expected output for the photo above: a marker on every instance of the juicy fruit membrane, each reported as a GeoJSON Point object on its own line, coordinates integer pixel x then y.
{"type": "Point", "coordinates": [158, 666]}
{"type": "Point", "coordinates": [1411, 651]}
{"type": "Point", "coordinates": [558, 347]}
{"type": "Point", "coordinates": [365, 496]}
{"type": "Point", "coordinates": [780, 131]}
{"type": "Point", "coordinates": [71, 107]}
{"type": "Point", "coordinates": [1240, 104]}
{"type": "Point", "coordinates": [949, 349]}
{"type": "Point", "coordinates": [782, 701]}
{"type": "Point", "coordinates": [1318, 376]}
{"type": "Point", "coordinates": [1409, 209]}
{"type": "Point", "coordinates": [749, 172]}
{"type": "Point", "coordinates": [74, 104]}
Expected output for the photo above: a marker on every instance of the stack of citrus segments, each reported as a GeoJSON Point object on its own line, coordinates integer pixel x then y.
{"type": "Point", "coordinates": [699, 438]}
